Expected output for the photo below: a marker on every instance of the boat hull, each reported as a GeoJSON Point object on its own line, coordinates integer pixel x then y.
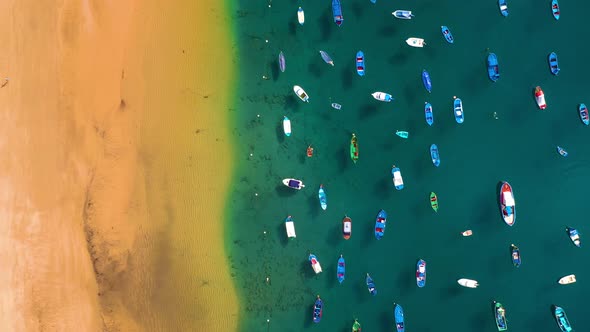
{"type": "Point", "coordinates": [447, 34]}
{"type": "Point", "coordinates": [337, 12]}
{"type": "Point", "coordinates": [371, 285]}
{"type": "Point", "coordinates": [282, 64]}
{"type": "Point", "coordinates": [398, 315]}
{"type": "Point", "coordinates": [458, 110]}
{"type": "Point", "coordinates": [346, 228]}
{"type": "Point", "coordinates": [315, 264]}
{"type": "Point", "coordinates": [493, 70]}
{"type": "Point", "coordinates": [434, 155]}
{"type": "Point", "coordinates": [402, 134]}
{"type": "Point", "coordinates": [426, 81]}
{"type": "Point", "coordinates": [354, 149]}
{"type": "Point", "coordinates": [403, 14]}
{"type": "Point", "coordinates": [300, 16]}
{"type": "Point", "coordinates": [540, 98]}
{"type": "Point", "coordinates": [569, 279]}
{"type": "Point", "coordinates": [561, 319]}
{"type": "Point", "coordinates": [507, 204]}
{"type": "Point", "coordinates": [380, 223]}
{"type": "Point", "coordinates": [290, 227]}
{"type": "Point", "coordinates": [428, 114]}
{"type": "Point", "coordinates": [515, 254]}
{"type": "Point", "coordinates": [326, 57]}
{"type": "Point", "coordinates": [360, 63]}
{"type": "Point", "coordinates": [503, 7]}
{"type": "Point", "coordinates": [469, 283]}
{"type": "Point", "coordinates": [421, 273]}
{"type": "Point", "coordinates": [555, 9]}
{"type": "Point", "coordinates": [301, 93]}
{"type": "Point", "coordinates": [553, 63]}
{"type": "Point", "coordinates": [584, 115]}
{"type": "Point", "coordinates": [287, 126]}
{"type": "Point", "coordinates": [398, 181]}
{"type": "Point", "coordinates": [415, 42]}
{"type": "Point", "coordinates": [318, 307]}
{"type": "Point", "coordinates": [382, 96]}
{"type": "Point", "coordinates": [323, 198]}
{"type": "Point", "coordinates": [500, 315]}
{"type": "Point", "coordinates": [574, 236]}
{"type": "Point", "coordinates": [434, 201]}
{"type": "Point", "coordinates": [341, 269]}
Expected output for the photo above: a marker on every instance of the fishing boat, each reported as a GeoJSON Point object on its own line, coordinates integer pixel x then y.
{"type": "Point", "coordinates": [574, 236]}
{"type": "Point", "coordinates": [555, 9]}
{"type": "Point", "coordinates": [401, 133]}
{"type": "Point", "coordinates": [493, 71]}
{"type": "Point", "coordinates": [403, 14]}
{"type": "Point", "coordinates": [318, 307]}
{"type": "Point", "coordinates": [500, 315]}
{"type": "Point", "coordinates": [428, 113]}
{"type": "Point", "coordinates": [337, 12]}
{"type": "Point", "coordinates": [398, 181]}
{"type": "Point", "coordinates": [326, 57]}
{"type": "Point", "coordinates": [287, 126]}
{"type": "Point", "coordinates": [301, 93]}
{"type": "Point", "coordinates": [515, 254]}
{"type": "Point", "coordinates": [309, 151]}
{"type": "Point", "coordinates": [315, 264]}
{"type": "Point", "coordinates": [356, 326]}
{"type": "Point", "coordinates": [415, 42]}
{"type": "Point", "coordinates": [290, 227]}
{"type": "Point", "coordinates": [282, 62]}
{"type": "Point", "coordinates": [380, 223]}
{"type": "Point", "coordinates": [467, 233]}
{"type": "Point", "coordinates": [341, 269]}
{"type": "Point", "coordinates": [360, 63]}
{"type": "Point", "coordinates": [469, 283]}
{"type": "Point", "coordinates": [553, 63]}
{"type": "Point", "coordinates": [293, 183]}
{"type": "Point", "coordinates": [426, 81]}
{"type": "Point", "coordinates": [569, 279]}
{"type": "Point", "coordinates": [458, 108]}
{"type": "Point", "coordinates": [561, 318]}
{"type": "Point", "coordinates": [507, 204]}
{"type": "Point", "coordinates": [336, 106]}
{"type": "Point", "coordinates": [354, 149]}
{"type": "Point", "coordinates": [540, 98]}
{"type": "Point", "coordinates": [346, 227]}
{"type": "Point", "coordinates": [322, 197]}
{"type": "Point", "coordinates": [447, 34]}
{"type": "Point", "coordinates": [371, 285]}
{"type": "Point", "coordinates": [434, 155]}
{"type": "Point", "coordinates": [584, 116]}
{"type": "Point", "coordinates": [503, 7]}
{"type": "Point", "coordinates": [382, 96]}
{"type": "Point", "coordinates": [562, 151]}
{"type": "Point", "coordinates": [421, 273]}
{"type": "Point", "coordinates": [300, 16]}
{"type": "Point", "coordinates": [398, 314]}
{"type": "Point", "coordinates": [434, 201]}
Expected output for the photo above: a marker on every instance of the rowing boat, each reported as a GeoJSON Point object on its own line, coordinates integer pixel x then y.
{"type": "Point", "coordinates": [341, 269]}
{"type": "Point", "coordinates": [428, 113]}
{"type": "Point", "coordinates": [337, 12]}
{"type": "Point", "coordinates": [493, 71]}
{"type": "Point", "coordinates": [421, 273]}
{"type": "Point", "coordinates": [318, 309]}
{"type": "Point", "coordinates": [569, 279]}
{"type": "Point", "coordinates": [326, 57]}
{"type": "Point", "coordinates": [555, 9]}
{"type": "Point", "coordinates": [458, 110]}
{"type": "Point", "coordinates": [290, 227]}
{"type": "Point", "coordinates": [503, 7]}
{"type": "Point", "coordinates": [401, 133]}
{"type": "Point", "coordinates": [426, 81]}
{"type": "Point", "coordinates": [322, 197]}
{"type": "Point", "coordinates": [574, 236]}
{"type": "Point", "coordinates": [447, 34]}
{"type": "Point", "coordinates": [507, 204]}
{"type": "Point", "coordinates": [346, 227]}
{"type": "Point", "coordinates": [553, 63]}
{"type": "Point", "coordinates": [354, 149]}
{"type": "Point", "coordinates": [434, 155]}
{"type": "Point", "coordinates": [380, 223]}
{"type": "Point", "coordinates": [300, 16]}
{"type": "Point", "coordinates": [584, 116]}
{"type": "Point", "coordinates": [371, 285]}
{"type": "Point", "coordinates": [360, 63]}
{"type": "Point", "coordinates": [515, 254]}
{"type": "Point", "coordinates": [287, 126]}
{"type": "Point", "coordinates": [398, 314]}
{"type": "Point", "coordinates": [398, 181]}
{"type": "Point", "coordinates": [282, 62]}
{"type": "Point", "coordinates": [434, 201]}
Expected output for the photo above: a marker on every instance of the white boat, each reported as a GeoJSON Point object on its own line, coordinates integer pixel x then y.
{"type": "Point", "coordinates": [287, 126]}
{"type": "Point", "coordinates": [336, 106]}
{"type": "Point", "coordinates": [300, 16]}
{"type": "Point", "coordinates": [403, 14]}
{"type": "Point", "coordinates": [293, 183]}
{"type": "Point", "coordinates": [315, 264]}
{"type": "Point", "coordinates": [467, 233]}
{"type": "Point", "coordinates": [290, 227]}
{"type": "Point", "coordinates": [469, 283]}
{"type": "Point", "coordinates": [540, 98]}
{"type": "Point", "coordinates": [301, 93]}
{"type": "Point", "coordinates": [570, 279]}
{"type": "Point", "coordinates": [415, 42]}
{"type": "Point", "coordinates": [382, 96]}
{"type": "Point", "coordinates": [398, 181]}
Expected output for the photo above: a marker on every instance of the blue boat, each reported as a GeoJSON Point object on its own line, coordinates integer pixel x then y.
{"type": "Point", "coordinates": [426, 81]}
{"type": "Point", "coordinates": [503, 7]}
{"type": "Point", "coordinates": [434, 155]}
{"type": "Point", "coordinates": [371, 285]}
{"type": "Point", "coordinates": [398, 314]}
{"type": "Point", "coordinates": [337, 12]}
{"type": "Point", "coordinates": [515, 254]}
{"type": "Point", "coordinates": [562, 151]}
{"type": "Point", "coordinates": [493, 71]}
{"type": "Point", "coordinates": [584, 116]}
{"type": "Point", "coordinates": [553, 64]}
{"type": "Point", "coordinates": [555, 9]}
{"type": "Point", "coordinates": [326, 57]}
{"type": "Point", "coordinates": [428, 113]}
{"type": "Point", "coordinates": [421, 273]}
{"type": "Point", "coordinates": [380, 222]}
{"type": "Point", "coordinates": [374, 1]}
{"type": "Point", "coordinates": [398, 181]}
{"type": "Point", "coordinates": [282, 62]}
{"type": "Point", "coordinates": [341, 269]}
{"type": "Point", "coordinates": [360, 63]}
{"type": "Point", "coordinates": [458, 108]}
{"type": "Point", "coordinates": [322, 197]}
{"type": "Point", "coordinates": [447, 34]}
{"type": "Point", "coordinates": [318, 308]}
{"type": "Point", "coordinates": [561, 318]}
{"type": "Point", "coordinates": [574, 236]}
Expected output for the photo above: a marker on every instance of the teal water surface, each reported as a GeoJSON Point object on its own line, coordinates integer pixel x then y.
{"type": "Point", "coordinates": [504, 138]}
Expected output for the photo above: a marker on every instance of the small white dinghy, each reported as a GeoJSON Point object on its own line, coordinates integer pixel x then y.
{"type": "Point", "coordinates": [469, 283]}
{"type": "Point", "coordinates": [382, 96]}
{"type": "Point", "coordinates": [300, 16]}
{"type": "Point", "coordinates": [290, 227]}
{"type": "Point", "coordinates": [415, 42]}
{"type": "Point", "coordinates": [287, 126]}
{"type": "Point", "coordinates": [403, 14]}
{"type": "Point", "coordinates": [569, 279]}
{"type": "Point", "coordinates": [301, 93]}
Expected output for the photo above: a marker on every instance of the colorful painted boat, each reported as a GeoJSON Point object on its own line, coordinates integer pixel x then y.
{"type": "Point", "coordinates": [336, 106]}
{"type": "Point", "coordinates": [398, 181]}
{"type": "Point", "coordinates": [561, 319]}
{"type": "Point", "coordinates": [322, 197]}
{"type": "Point", "coordinates": [293, 183]}
{"type": "Point", "coordinates": [562, 151]}
{"type": "Point", "coordinates": [354, 149]}
{"type": "Point", "coordinates": [507, 204]}
{"type": "Point", "coordinates": [426, 81]}
{"type": "Point", "coordinates": [326, 57]}
{"type": "Point", "coordinates": [447, 34]}
{"type": "Point", "coordinates": [360, 63]}
{"type": "Point", "coordinates": [469, 283]}
{"type": "Point", "coordinates": [428, 113]}
{"type": "Point", "coordinates": [337, 12]}
{"type": "Point", "coordinates": [315, 264]}
{"type": "Point", "coordinates": [415, 42]}
{"type": "Point", "coordinates": [434, 201]}
{"type": "Point", "coordinates": [403, 14]}
{"type": "Point", "coordinates": [287, 126]}
{"type": "Point", "coordinates": [282, 64]}
{"type": "Point", "coordinates": [300, 16]}
{"type": "Point", "coordinates": [371, 285]}
{"type": "Point", "coordinates": [569, 279]}
{"type": "Point", "coordinates": [421, 273]}
{"type": "Point", "coordinates": [503, 5]}
{"type": "Point", "coordinates": [356, 326]}
{"type": "Point", "coordinates": [493, 70]}
{"type": "Point", "coordinates": [434, 155]}
{"type": "Point", "coordinates": [382, 96]}
{"type": "Point", "coordinates": [380, 223]}
{"type": "Point", "coordinates": [290, 227]}
{"type": "Point", "coordinates": [500, 315]}
{"type": "Point", "coordinates": [309, 151]}
{"type": "Point", "coordinates": [553, 63]}
{"type": "Point", "coordinates": [584, 116]}
{"type": "Point", "coordinates": [318, 308]}
{"type": "Point", "coordinates": [574, 236]}
{"type": "Point", "coordinates": [301, 93]}
{"type": "Point", "coordinates": [540, 98]}
{"type": "Point", "coordinates": [458, 110]}
{"type": "Point", "coordinates": [402, 134]}
{"type": "Point", "coordinates": [515, 254]}
{"type": "Point", "coordinates": [555, 9]}
{"type": "Point", "coordinates": [341, 269]}
{"type": "Point", "coordinates": [398, 314]}
{"type": "Point", "coordinates": [346, 227]}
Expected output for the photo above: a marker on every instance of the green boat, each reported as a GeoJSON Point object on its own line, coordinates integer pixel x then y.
{"type": "Point", "coordinates": [500, 314]}
{"type": "Point", "coordinates": [356, 327]}
{"type": "Point", "coordinates": [354, 148]}
{"type": "Point", "coordinates": [434, 201]}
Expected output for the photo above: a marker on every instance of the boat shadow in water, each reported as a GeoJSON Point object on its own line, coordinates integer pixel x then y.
{"type": "Point", "coordinates": [314, 206]}
{"type": "Point", "coordinates": [385, 320]}
{"type": "Point", "coordinates": [284, 191]}
{"type": "Point", "coordinates": [480, 320]}
{"type": "Point", "coordinates": [406, 281]}
{"type": "Point", "coordinates": [284, 240]}
{"type": "Point", "coordinates": [332, 281]}
{"type": "Point", "coordinates": [280, 132]}
{"type": "Point", "coordinates": [452, 290]}
{"type": "Point", "coordinates": [346, 77]}
{"type": "Point", "coordinates": [292, 26]}
{"type": "Point", "coordinates": [292, 103]}
{"type": "Point", "coordinates": [315, 70]}
{"type": "Point", "coordinates": [386, 31]}
{"type": "Point", "coordinates": [368, 110]}
{"type": "Point", "coordinates": [343, 158]}
{"type": "Point", "coordinates": [398, 59]}
{"type": "Point", "coordinates": [274, 70]}
{"type": "Point", "coordinates": [325, 22]}
{"type": "Point", "coordinates": [383, 188]}
{"type": "Point", "coordinates": [335, 235]}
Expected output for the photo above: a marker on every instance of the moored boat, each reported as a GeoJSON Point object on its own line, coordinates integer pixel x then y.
{"type": "Point", "coordinates": [569, 279]}
{"type": "Point", "coordinates": [458, 110]}
{"type": "Point", "coordinates": [290, 227]}
{"type": "Point", "coordinates": [555, 9]}
{"type": "Point", "coordinates": [360, 63]}
{"type": "Point", "coordinates": [562, 151]}
{"type": "Point", "coordinates": [300, 16]}
{"type": "Point", "coordinates": [346, 227]}
{"type": "Point", "coordinates": [469, 283]}
{"type": "Point", "coordinates": [356, 326]}
{"type": "Point", "coordinates": [282, 64]}
{"type": "Point", "coordinates": [354, 149]}
{"type": "Point", "coordinates": [500, 315]}
{"type": "Point", "coordinates": [398, 314]}
{"type": "Point", "coordinates": [540, 98]}
{"type": "Point", "coordinates": [398, 181]}
{"type": "Point", "coordinates": [515, 254]}
{"type": "Point", "coordinates": [415, 42]}
{"type": "Point", "coordinates": [337, 12]}
{"type": "Point", "coordinates": [341, 269]}
{"type": "Point", "coordinates": [326, 57]}
{"type": "Point", "coordinates": [403, 14]}
{"type": "Point", "coordinates": [382, 96]}
{"type": "Point", "coordinates": [293, 183]}
{"type": "Point", "coordinates": [380, 223]}
{"type": "Point", "coordinates": [371, 285]}
{"type": "Point", "coordinates": [584, 116]}
{"type": "Point", "coordinates": [434, 201]}
{"type": "Point", "coordinates": [287, 126]}
{"type": "Point", "coordinates": [503, 7]}
{"type": "Point", "coordinates": [336, 106]}
{"type": "Point", "coordinates": [574, 236]}
{"type": "Point", "coordinates": [507, 204]}
{"type": "Point", "coordinates": [301, 93]}
{"type": "Point", "coordinates": [561, 319]}
{"type": "Point", "coordinates": [318, 307]}
{"type": "Point", "coordinates": [553, 63]}
{"type": "Point", "coordinates": [467, 233]}
{"type": "Point", "coordinates": [426, 81]}
{"type": "Point", "coordinates": [322, 197]}
{"type": "Point", "coordinates": [434, 155]}
{"type": "Point", "coordinates": [447, 34]}
{"type": "Point", "coordinates": [401, 133]}
{"type": "Point", "coordinates": [428, 113]}
{"type": "Point", "coordinates": [421, 273]}
{"type": "Point", "coordinates": [309, 151]}
{"type": "Point", "coordinates": [493, 70]}
{"type": "Point", "coordinates": [315, 264]}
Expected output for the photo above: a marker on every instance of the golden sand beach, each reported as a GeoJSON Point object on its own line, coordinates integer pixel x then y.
{"type": "Point", "coordinates": [115, 166]}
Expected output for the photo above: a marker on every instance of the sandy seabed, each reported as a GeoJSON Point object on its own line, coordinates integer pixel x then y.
{"type": "Point", "coordinates": [115, 163]}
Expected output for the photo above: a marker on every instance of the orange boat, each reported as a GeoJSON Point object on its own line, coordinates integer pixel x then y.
{"type": "Point", "coordinates": [346, 227]}
{"type": "Point", "coordinates": [309, 151]}
{"type": "Point", "coordinates": [467, 233]}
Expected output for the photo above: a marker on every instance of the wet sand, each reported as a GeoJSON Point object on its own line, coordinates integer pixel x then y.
{"type": "Point", "coordinates": [115, 166]}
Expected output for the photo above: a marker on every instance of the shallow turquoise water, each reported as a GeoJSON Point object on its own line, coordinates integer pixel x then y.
{"type": "Point", "coordinates": [518, 147]}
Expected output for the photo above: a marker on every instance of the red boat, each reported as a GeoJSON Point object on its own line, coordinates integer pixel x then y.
{"type": "Point", "coordinates": [346, 227]}
{"type": "Point", "coordinates": [540, 98]}
{"type": "Point", "coordinates": [309, 151]}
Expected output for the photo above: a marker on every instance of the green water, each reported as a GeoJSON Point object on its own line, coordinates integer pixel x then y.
{"type": "Point", "coordinates": [518, 146]}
